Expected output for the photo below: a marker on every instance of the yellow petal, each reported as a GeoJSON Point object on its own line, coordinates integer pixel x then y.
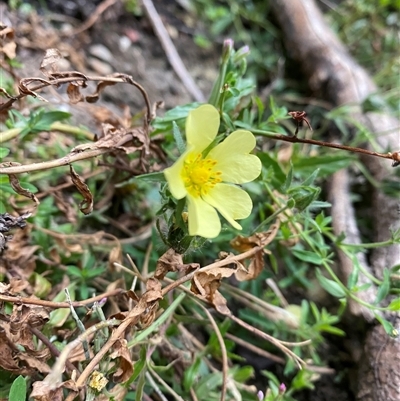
{"type": "Point", "coordinates": [174, 178]}
{"type": "Point", "coordinates": [202, 127]}
{"type": "Point", "coordinates": [234, 161]}
{"type": "Point", "coordinates": [203, 218]}
{"type": "Point", "coordinates": [232, 202]}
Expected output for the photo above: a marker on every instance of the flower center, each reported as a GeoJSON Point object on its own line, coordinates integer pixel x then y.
{"type": "Point", "coordinates": [199, 175]}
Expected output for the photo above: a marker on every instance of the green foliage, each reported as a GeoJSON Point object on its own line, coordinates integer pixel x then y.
{"type": "Point", "coordinates": [18, 390]}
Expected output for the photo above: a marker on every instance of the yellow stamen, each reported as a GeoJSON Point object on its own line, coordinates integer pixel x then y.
{"type": "Point", "coordinates": [199, 175]}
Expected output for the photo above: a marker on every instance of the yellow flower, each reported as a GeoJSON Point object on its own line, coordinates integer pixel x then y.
{"type": "Point", "coordinates": [206, 180]}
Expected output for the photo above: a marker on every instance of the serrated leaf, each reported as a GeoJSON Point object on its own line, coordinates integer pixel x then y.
{"type": "Point", "coordinates": [330, 286]}
{"type": "Point", "coordinates": [18, 390]}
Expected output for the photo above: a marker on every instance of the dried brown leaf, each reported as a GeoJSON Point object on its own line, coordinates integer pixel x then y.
{"type": "Point", "coordinates": [43, 391]}
{"type": "Point", "coordinates": [86, 206]}
{"type": "Point", "coordinates": [100, 87]}
{"type": "Point", "coordinates": [33, 363]}
{"type": "Point", "coordinates": [153, 291]}
{"type": "Point", "coordinates": [125, 364]}
{"type": "Point", "coordinates": [115, 256]}
{"type": "Point", "coordinates": [243, 244]}
{"type": "Point", "coordinates": [205, 286]}
{"type": "Point", "coordinates": [48, 66]}
{"type": "Point", "coordinates": [74, 93]}
{"type": "Point", "coordinates": [7, 41]}
{"type": "Point", "coordinates": [172, 261]}
{"type": "Point", "coordinates": [16, 186]}
{"type": "Point", "coordinates": [7, 351]}
{"type": "Point", "coordinates": [24, 90]}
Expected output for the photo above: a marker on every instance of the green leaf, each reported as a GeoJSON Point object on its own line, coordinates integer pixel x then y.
{"type": "Point", "coordinates": [18, 390]}
{"type": "Point", "coordinates": [353, 278]}
{"type": "Point", "coordinates": [387, 326]}
{"type": "Point", "coordinates": [4, 152]}
{"type": "Point", "coordinates": [278, 177]}
{"type": "Point", "coordinates": [310, 180]}
{"type": "Point", "coordinates": [180, 144]}
{"type": "Point", "coordinates": [328, 164]}
{"type": "Point", "coordinates": [384, 288]}
{"type": "Point", "coordinates": [394, 305]}
{"type": "Point", "coordinates": [138, 366]}
{"type": "Point", "coordinates": [48, 118]}
{"type": "Point", "coordinates": [330, 286]}
{"type": "Point", "coordinates": [304, 196]}
{"type": "Point", "coordinates": [152, 177]}
{"type": "Point", "coordinates": [191, 374]}
{"type": "Point", "coordinates": [308, 256]}
{"type": "Point", "coordinates": [289, 178]}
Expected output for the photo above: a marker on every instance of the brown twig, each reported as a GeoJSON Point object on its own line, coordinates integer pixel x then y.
{"type": "Point", "coordinates": [220, 263]}
{"type": "Point", "coordinates": [94, 17]}
{"type": "Point", "coordinates": [56, 305]}
{"type": "Point", "coordinates": [60, 78]}
{"type": "Point", "coordinates": [53, 349]}
{"type": "Point", "coordinates": [395, 156]}
{"type": "Point", "coordinates": [171, 52]}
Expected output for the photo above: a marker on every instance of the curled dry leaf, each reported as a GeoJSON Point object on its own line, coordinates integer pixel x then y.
{"type": "Point", "coordinates": [124, 363]}
{"type": "Point", "coordinates": [16, 186]}
{"type": "Point", "coordinates": [24, 90]}
{"type": "Point", "coordinates": [48, 66]}
{"type": "Point", "coordinates": [205, 284]}
{"type": "Point", "coordinates": [74, 93]}
{"type": "Point", "coordinates": [93, 98]}
{"type": "Point", "coordinates": [172, 261]}
{"type": "Point", "coordinates": [86, 206]}
{"type": "Point", "coordinates": [243, 244]}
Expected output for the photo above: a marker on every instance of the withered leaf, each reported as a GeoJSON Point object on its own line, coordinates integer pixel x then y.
{"type": "Point", "coordinates": [205, 286]}
{"type": "Point", "coordinates": [16, 186]}
{"type": "Point", "coordinates": [49, 62]}
{"type": "Point", "coordinates": [100, 86]}
{"type": "Point", "coordinates": [24, 90]}
{"type": "Point", "coordinates": [86, 206]}
{"type": "Point", "coordinates": [125, 364]}
{"type": "Point", "coordinates": [243, 244]}
{"type": "Point", "coordinates": [153, 290]}
{"type": "Point", "coordinates": [172, 261]}
{"type": "Point", "coordinates": [74, 93]}
{"type": "Point", "coordinates": [43, 391]}
{"type": "Point", "coordinates": [7, 40]}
